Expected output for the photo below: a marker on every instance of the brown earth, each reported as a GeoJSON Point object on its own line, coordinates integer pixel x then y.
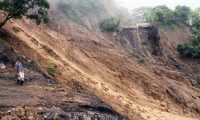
{"type": "Point", "coordinates": [138, 71]}
{"type": "Point", "coordinates": [42, 97]}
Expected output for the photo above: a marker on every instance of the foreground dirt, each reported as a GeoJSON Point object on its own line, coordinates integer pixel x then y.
{"type": "Point", "coordinates": [42, 97]}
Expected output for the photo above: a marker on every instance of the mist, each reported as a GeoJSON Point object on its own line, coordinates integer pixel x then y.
{"type": "Point", "coordinates": [88, 12]}
{"type": "Point", "coordinates": [133, 4]}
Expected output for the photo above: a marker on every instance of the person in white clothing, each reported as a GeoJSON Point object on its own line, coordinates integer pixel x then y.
{"type": "Point", "coordinates": [20, 71]}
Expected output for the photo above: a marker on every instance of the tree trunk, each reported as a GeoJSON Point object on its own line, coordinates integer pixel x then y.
{"type": "Point", "coordinates": [4, 22]}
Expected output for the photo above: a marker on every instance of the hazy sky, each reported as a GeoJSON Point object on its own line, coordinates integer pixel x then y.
{"type": "Point", "coordinates": [130, 4]}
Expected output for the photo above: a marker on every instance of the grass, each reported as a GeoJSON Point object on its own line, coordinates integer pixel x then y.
{"type": "Point", "coordinates": [51, 70]}
{"type": "Point", "coordinates": [174, 26]}
{"type": "Point", "coordinates": [34, 64]}
{"type": "Point", "coordinates": [162, 28]}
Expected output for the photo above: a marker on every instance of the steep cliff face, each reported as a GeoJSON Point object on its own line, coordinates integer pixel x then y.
{"type": "Point", "coordinates": [155, 50]}
{"type": "Point", "coordinates": [140, 41]}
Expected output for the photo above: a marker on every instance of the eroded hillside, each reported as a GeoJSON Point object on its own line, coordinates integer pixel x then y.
{"type": "Point", "coordinates": [42, 97]}
{"type": "Point", "coordinates": [137, 70]}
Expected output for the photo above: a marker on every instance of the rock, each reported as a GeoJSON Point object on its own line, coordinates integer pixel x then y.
{"type": "Point", "coordinates": [8, 112]}
{"type": "Point", "coordinates": [24, 118]}
{"type": "Point", "coordinates": [40, 118]}
{"type": "Point", "coordinates": [30, 114]}
{"type": "Point", "coordinates": [2, 66]}
{"type": "Point", "coordinates": [56, 116]}
{"type": "Point", "coordinates": [86, 117]}
{"type": "Point", "coordinates": [163, 104]}
{"type": "Point", "coordinates": [29, 61]}
{"type": "Point", "coordinates": [4, 58]}
{"type": "Point", "coordinates": [40, 110]}
{"type": "Point", "coordinates": [7, 56]}
{"type": "Point", "coordinates": [20, 112]}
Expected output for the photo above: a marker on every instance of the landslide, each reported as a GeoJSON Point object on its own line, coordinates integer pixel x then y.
{"type": "Point", "coordinates": [42, 97]}
{"type": "Point", "coordinates": [141, 85]}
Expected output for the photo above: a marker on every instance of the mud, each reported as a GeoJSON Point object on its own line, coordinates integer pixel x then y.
{"type": "Point", "coordinates": [42, 97]}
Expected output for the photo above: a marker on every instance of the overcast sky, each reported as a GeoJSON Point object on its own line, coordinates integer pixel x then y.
{"type": "Point", "coordinates": [131, 4]}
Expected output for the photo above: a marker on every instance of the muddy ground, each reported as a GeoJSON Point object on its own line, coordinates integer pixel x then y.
{"type": "Point", "coordinates": [42, 98]}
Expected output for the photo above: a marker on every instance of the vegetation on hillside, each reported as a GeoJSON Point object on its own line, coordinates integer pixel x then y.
{"type": "Point", "coordinates": [52, 70]}
{"type": "Point", "coordinates": [32, 9]}
{"type": "Point", "coordinates": [182, 14]}
{"type": "Point", "coordinates": [195, 18]}
{"type": "Point", "coordinates": [110, 24]}
{"type": "Point", "coordinates": [192, 49]}
{"type": "Point", "coordinates": [167, 16]}
{"type": "Point", "coordinates": [163, 15]}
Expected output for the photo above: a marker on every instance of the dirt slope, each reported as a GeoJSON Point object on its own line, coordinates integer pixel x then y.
{"type": "Point", "coordinates": [42, 97]}
{"type": "Point", "coordinates": [98, 64]}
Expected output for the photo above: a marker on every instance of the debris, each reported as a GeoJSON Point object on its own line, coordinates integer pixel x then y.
{"type": "Point", "coordinates": [163, 104]}
{"type": "Point", "coordinates": [2, 66]}
{"type": "Point", "coordinates": [20, 112]}
{"type": "Point", "coordinates": [10, 117]}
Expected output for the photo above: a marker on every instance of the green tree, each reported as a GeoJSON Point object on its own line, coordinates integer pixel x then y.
{"type": "Point", "coordinates": [163, 15]}
{"type": "Point", "coordinates": [110, 24]}
{"type": "Point", "coordinates": [195, 18]}
{"type": "Point", "coordinates": [192, 49]}
{"type": "Point", "coordinates": [182, 14]}
{"type": "Point", "coordinates": [32, 9]}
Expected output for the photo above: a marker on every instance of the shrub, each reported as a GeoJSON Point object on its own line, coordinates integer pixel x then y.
{"type": "Point", "coordinates": [195, 18]}
{"type": "Point", "coordinates": [163, 15]}
{"type": "Point", "coordinates": [183, 14]}
{"type": "Point", "coordinates": [34, 64]}
{"type": "Point", "coordinates": [192, 49]}
{"type": "Point", "coordinates": [110, 24]}
{"type": "Point", "coordinates": [185, 50]}
{"type": "Point", "coordinates": [167, 16]}
{"type": "Point", "coordinates": [51, 70]}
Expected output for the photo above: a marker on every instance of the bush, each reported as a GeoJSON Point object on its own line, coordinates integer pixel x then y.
{"type": "Point", "coordinates": [195, 18]}
{"type": "Point", "coordinates": [192, 49]}
{"type": "Point", "coordinates": [185, 50]}
{"type": "Point", "coordinates": [110, 25]}
{"type": "Point", "coordinates": [33, 64]}
{"type": "Point", "coordinates": [163, 15]}
{"type": "Point", "coordinates": [182, 14]}
{"type": "Point", "coordinates": [51, 70]}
